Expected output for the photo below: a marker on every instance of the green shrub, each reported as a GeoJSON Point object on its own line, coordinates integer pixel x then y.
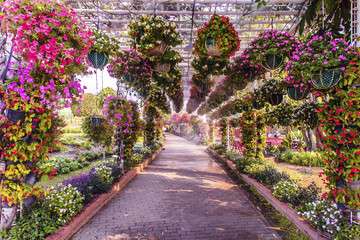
{"type": "Point", "coordinates": [271, 151]}
{"type": "Point", "coordinates": [104, 173]}
{"type": "Point", "coordinates": [63, 165]}
{"type": "Point", "coordinates": [131, 163]}
{"type": "Point", "coordinates": [302, 158]}
{"type": "Point", "coordinates": [270, 176]}
{"type": "Point", "coordinates": [36, 222]}
{"type": "Point", "coordinates": [286, 191]}
{"type": "Point", "coordinates": [65, 201]}
{"type": "Point", "coordinates": [243, 162]}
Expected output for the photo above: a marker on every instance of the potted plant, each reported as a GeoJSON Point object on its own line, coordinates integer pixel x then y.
{"type": "Point", "coordinates": [134, 69]}
{"type": "Point", "coordinates": [271, 48]}
{"type": "Point", "coordinates": [306, 114]}
{"type": "Point", "coordinates": [103, 46]}
{"type": "Point", "coordinates": [244, 70]}
{"type": "Point", "coordinates": [217, 38]}
{"type": "Point", "coordinates": [170, 82]}
{"type": "Point", "coordinates": [165, 62]}
{"type": "Point", "coordinates": [207, 65]}
{"type": "Point", "coordinates": [273, 91]}
{"type": "Point", "coordinates": [319, 61]}
{"type": "Point", "coordinates": [152, 35]}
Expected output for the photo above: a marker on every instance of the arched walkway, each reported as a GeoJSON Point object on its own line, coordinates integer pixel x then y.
{"type": "Point", "coordinates": [183, 194]}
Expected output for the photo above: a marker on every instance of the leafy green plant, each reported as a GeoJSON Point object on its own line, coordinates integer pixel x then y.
{"type": "Point", "coordinates": [101, 134]}
{"type": "Point", "coordinates": [149, 32]}
{"type": "Point", "coordinates": [36, 222]}
{"type": "Point", "coordinates": [65, 201]}
{"type": "Point", "coordinates": [104, 173]}
{"type": "Point", "coordinates": [302, 158]}
{"type": "Point", "coordinates": [104, 43]}
{"type": "Point", "coordinates": [286, 191]}
{"type": "Point", "coordinates": [221, 30]}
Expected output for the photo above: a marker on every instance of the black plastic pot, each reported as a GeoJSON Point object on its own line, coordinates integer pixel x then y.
{"type": "Point", "coordinates": [5, 204]}
{"type": "Point", "coordinates": [30, 140]}
{"type": "Point", "coordinates": [275, 99]}
{"type": "Point", "coordinates": [31, 178]}
{"type": "Point", "coordinates": [15, 115]}
{"type": "Point", "coordinates": [28, 201]}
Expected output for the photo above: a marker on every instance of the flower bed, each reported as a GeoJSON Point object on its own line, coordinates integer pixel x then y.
{"type": "Point", "coordinates": [328, 223]}
{"type": "Point", "coordinates": [71, 196]}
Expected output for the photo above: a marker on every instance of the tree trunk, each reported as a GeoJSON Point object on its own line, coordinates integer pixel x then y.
{"type": "Point", "coordinates": [307, 141]}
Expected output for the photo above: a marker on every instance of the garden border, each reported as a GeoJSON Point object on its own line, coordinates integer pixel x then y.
{"type": "Point", "coordinates": [301, 223]}
{"type": "Point", "coordinates": [70, 228]}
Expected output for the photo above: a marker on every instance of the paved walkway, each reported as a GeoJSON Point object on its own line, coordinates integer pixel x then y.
{"type": "Point", "coordinates": [183, 194]}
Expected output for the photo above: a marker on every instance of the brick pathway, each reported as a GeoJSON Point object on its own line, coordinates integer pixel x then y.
{"type": "Point", "coordinates": [183, 194]}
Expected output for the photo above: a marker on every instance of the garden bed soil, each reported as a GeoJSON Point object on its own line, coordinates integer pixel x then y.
{"type": "Point", "coordinates": [302, 224]}
{"type": "Point", "coordinates": [70, 228]}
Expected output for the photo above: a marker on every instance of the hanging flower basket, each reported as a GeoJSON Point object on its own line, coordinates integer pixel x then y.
{"type": "Point", "coordinates": [326, 79]}
{"type": "Point", "coordinates": [211, 48]}
{"type": "Point", "coordinates": [162, 67]}
{"type": "Point", "coordinates": [273, 61]}
{"type": "Point", "coordinates": [98, 60]}
{"type": "Point", "coordinates": [258, 105]}
{"type": "Point", "coordinates": [295, 93]}
{"type": "Point", "coordinates": [128, 78]}
{"type": "Point", "coordinates": [246, 108]}
{"type": "Point", "coordinates": [15, 115]}
{"type": "Point", "coordinates": [275, 99]}
{"type": "Point", "coordinates": [114, 74]}
{"type": "Point", "coordinates": [240, 85]}
{"type": "Point", "coordinates": [158, 50]}
{"type": "Point", "coordinates": [96, 121]}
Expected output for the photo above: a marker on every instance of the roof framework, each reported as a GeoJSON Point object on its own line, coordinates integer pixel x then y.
{"type": "Point", "coordinates": [113, 16]}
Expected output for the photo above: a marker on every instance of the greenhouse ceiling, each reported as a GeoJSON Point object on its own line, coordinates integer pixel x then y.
{"type": "Point", "coordinates": [113, 16]}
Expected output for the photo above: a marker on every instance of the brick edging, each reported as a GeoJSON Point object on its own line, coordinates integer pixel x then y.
{"type": "Point", "coordinates": [301, 223]}
{"type": "Point", "coordinates": [70, 228]}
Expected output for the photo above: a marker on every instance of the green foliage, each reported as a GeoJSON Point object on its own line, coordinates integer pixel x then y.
{"type": "Point", "coordinates": [103, 94]}
{"type": "Point", "coordinates": [104, 43]}
{"type": "Point", "coordinates": [102, 134]}
{"type": "Point", "coordinates": [62, 165]}
{"type": "Point", "coordinates": [69, 129]}
{"type": "Point", "coordinates": [302, 158]}
{"type": "Point", "coordinates": [133, 161]}
{"type": "Point", "coordinates": [286, 191]}
{"type": "Point", "coordinates": [35, 223]}
{"type": "Point", "coordinates": [65, 201]}
{"type": "Point", "coordinates": [224, 129]}
{"type": "Point", "coordinates": [70, 140]}
{"type": "Point", "coordinates": [86, 107]}
{"type": "Point", "coordinates": [104, 173]}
